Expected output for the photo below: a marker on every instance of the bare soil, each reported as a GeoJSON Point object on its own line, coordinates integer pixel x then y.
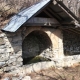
{"type": "Point", "coordinates": [71, 73]}
{"type": "Point", "coordinates": [58, 74]}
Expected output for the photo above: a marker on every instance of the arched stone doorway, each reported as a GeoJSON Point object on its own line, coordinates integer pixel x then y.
{"type": "Point", "coordinates": [36, 43]}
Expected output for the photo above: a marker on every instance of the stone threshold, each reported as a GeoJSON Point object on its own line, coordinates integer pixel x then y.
{"type": "Point", "coordinates": [57, 63]}
{"type": "Point", "coordinates": [34, 67]}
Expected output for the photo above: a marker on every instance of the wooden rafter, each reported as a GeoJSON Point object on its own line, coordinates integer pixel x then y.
{"type": "Point", "coordinates": [42, 22]}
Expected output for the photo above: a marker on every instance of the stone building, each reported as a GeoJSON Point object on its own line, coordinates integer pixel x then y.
{"type": "Point", "coordinates": [47, 30]}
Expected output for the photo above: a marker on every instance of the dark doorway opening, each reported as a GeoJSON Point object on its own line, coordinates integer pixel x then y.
{"type": "Point", "coordinates": [33, 45]}
{"type": "Point", "coordinates": [71, 42]}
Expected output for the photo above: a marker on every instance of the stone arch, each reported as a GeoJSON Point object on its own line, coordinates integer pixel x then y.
{"type": "Point", "coordinates": [29, 30]}
{"type": "Point", "coordinates": [36, 43]}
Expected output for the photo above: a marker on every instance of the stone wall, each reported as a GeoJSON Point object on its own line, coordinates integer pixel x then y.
{"type": "Point", "coordinates": [55, 36]}
{"type": "Point", "coordinates": [10, 51]}
{"type": "Point", "coordinates": [11, 47]}
{"type": "Point", "coordinates": [71, 42]}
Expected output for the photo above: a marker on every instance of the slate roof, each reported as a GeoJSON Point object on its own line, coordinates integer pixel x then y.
{"type": "Point", "coordinates": [59, 11]}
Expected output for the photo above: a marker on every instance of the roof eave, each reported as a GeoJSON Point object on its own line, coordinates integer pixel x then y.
{"type": "Point", "coordinates": [76, 20]}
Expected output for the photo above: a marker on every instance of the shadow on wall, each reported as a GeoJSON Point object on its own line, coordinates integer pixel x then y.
{"type": "Point", "coordinates": [13, 42]}
{"type": "Point", "coordinates": [34, 44]}
{"type": "Point", "coordinates": [71, 42]}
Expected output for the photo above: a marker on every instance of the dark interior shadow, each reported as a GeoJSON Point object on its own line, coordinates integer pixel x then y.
{"type": "Point", "coordinates": [71, 40]}
{"type": "Point", "coordinates": [33, 45]}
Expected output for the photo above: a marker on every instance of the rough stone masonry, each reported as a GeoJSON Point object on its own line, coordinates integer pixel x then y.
{"type": "Point", "coordinates": [13, 49]}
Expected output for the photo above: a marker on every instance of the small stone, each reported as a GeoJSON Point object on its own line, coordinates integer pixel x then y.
{"type": "Point", "coordinates": [19, 71]}
{"type": "Point", "coordinates": [11, 68]}
{"type": "Point", "coordinates": [19, 64]}
{"type": "Point", "coordinates": [7, 78]}
{"type": "Point", "coordinates": [13, 63]}
{"type": "Point", "coordinates": [6, 68]}
{"type": "Point", "coordinates": [11, 60]}
{"type": "Point", "coordinates": [19, 53]}
{"type": "Point", "coordinates": [2, 63]}
{"type": "Point", "coordinates": [2, 47]}
{"type": "Point", "coordinates": [15, 78]}
{"type": "Point", "coordinates": [8, 50]}
{"type": "Point", "coordinates": [20, 77]}
{"type": "Point", "coordinates": [4, 57]}
{"type": "Point", "coordinates": [2, 50]}
{"type": "Point", "coordinates": [27, 78]}
{"type": "Point", "coordinates": [19, 59]}
{"type": "Point", "coordinates": [1, 71]}
{"type": "Point", "coordinates": [2, 35]}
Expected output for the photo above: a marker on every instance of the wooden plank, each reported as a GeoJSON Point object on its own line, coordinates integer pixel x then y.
{"type": "Point", "coordinates": [72, 30]}
{"type": "Point", "coordinates": [38, 21]}
{"type": "Point", "coordinates": [42, 24]}
{"type": "Point", "coordinates": [55, 14]}
{"type": "Point", "coordinates": [48, 14]}
{"type": "Point", "coordinates": [43, 20]}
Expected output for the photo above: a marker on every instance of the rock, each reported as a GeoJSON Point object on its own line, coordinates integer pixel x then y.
{"type": "Point", "coordinates": [2, 63]}
{"type": "Point", "coordinates": [19, 59]}
{"type": "Point", "coordinates": [20, 77]}
{"type": "Point", "coordinates": [2, 35]}
{"type": "Point", "coordinates": [27, 78]}
{"type": "Point", "coordinates": [2, 50]}
{"type": "Point", "coordinates": [38, 66]}
{"type": "Point", "coordinates": [7, 78]}
{"type": "Point", "coordinates": [10, 68]}
{"type": "Point", "coordinates": [8, 44]}
{"type": "Point", "coordinates": [8, 50]}
{"type": "Point", "coordinates": [7, 69]}
{"type": "Point", "coordinates": [19, 64]}
{"type": "Point", "coordinates": [1, 71]}
{"type": "Point", "coordinates": [2, 47]}
{"type": "Point", "coordinates": [19, 71]}
{"type": "Point", "coordinates": [4, 57]}
{"type": "Point", "coordinates": [17, 78]}
{"type": "Point", "coordinates": [11, 60]}
{"type": "Point", "coordinates": [19, 52]}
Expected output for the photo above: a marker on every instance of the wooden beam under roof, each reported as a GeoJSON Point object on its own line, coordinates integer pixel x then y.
{"type": "Point", "coordinates": [55, 14]}
{"type": "Point", "coordinates": [38, 21]}
{"type": "Point", "coordinates": [48, 13]}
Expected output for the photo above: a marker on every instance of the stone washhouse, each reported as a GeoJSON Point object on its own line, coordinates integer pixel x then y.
{"type": "Point", "coordinates": [47, 29]}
